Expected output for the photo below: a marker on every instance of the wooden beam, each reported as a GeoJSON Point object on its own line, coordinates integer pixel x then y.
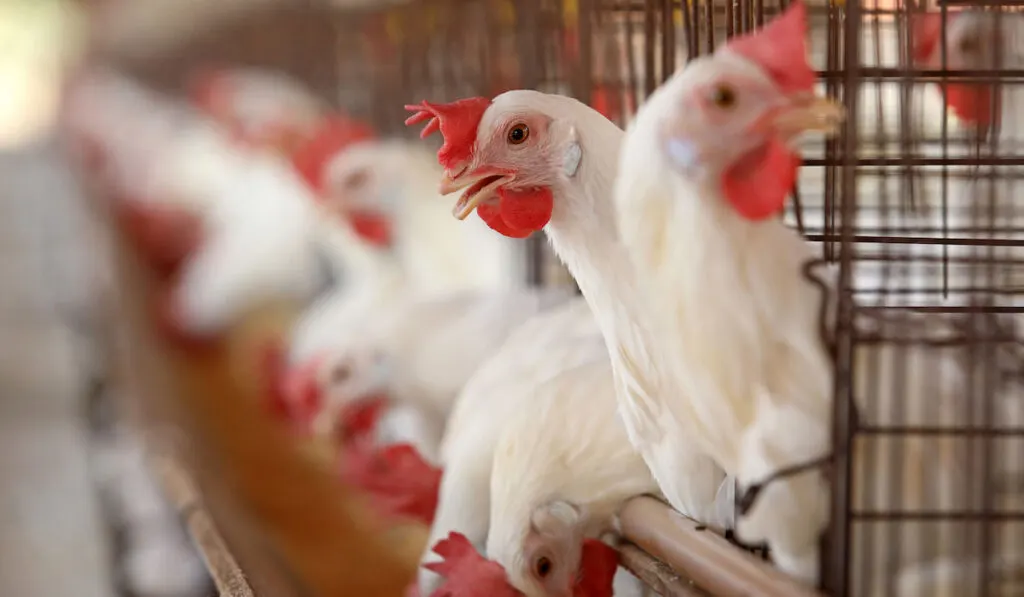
{"type": "Point", "coordinates": [702, 555]}
{"type": "Point", "coordinates": [662, 579]}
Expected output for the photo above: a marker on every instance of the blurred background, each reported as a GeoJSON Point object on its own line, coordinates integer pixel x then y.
{"type": "Point", "coordinates": [54, 538]}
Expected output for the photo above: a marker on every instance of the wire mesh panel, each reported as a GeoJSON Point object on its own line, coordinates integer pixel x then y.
{"type": "Point", "coordinates": [929, 427]}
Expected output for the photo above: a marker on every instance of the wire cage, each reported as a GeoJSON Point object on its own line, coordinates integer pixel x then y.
{"type": "Point", "coordinates": [927, 476]}
{"type": "Point", "coordinates": [913, 203]}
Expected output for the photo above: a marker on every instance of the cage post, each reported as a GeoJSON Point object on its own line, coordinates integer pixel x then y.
{"type": "Point", "coordinates": [527, 25]}
{"type": "Point", "coordinates": [835, 575]}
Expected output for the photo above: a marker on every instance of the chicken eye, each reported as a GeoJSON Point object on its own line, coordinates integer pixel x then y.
{"type": "Point", "coordinates": [518, 134]}
{"type": "Point", "coordinates": [339, 374]}
{"type": "Point", "coordinates": [968, 45]}
{"type": "Point", "coordinates": [723, 96]}
{"type": "Point", "coordinates": [543, 567]}
{"type": "Point", "coordinates": [355, 180]}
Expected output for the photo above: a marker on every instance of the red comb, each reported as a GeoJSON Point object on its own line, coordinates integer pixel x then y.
{"type": "Point", "coordinates": [401, 482]}
{"type": "Point", "coordinates": [466, 572]}
{"type": "Point", "coordinates": [926, 28]}
{"type": "Point", "coordinates": [457, 122]}
{"type": "Point", "coordinates": [597, 570]}
{"type": "Point", "coordinates": [780, 48]}
{"type": "Point", "coordinates": [332, 136]}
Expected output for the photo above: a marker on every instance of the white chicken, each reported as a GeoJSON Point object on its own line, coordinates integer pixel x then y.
{"type": "Point", "coordinates": [553, 369]}
{"type": "Point", "coordinates": [259, 217]}
{"type": "Point", "coordinates": [705, 166]}
{"type": "Point", "coordinates": [419, 355]}
{"type": "Point", "coordinates": [554, 485]}
{"type": "Point", "coordinates": [412, 247]}
{"type": "Point", "coordinates": [530, 160]}
{"type": "Point", "coordinates": [261, 107]}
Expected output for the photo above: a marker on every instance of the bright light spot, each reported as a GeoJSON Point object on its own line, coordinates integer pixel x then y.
{"type": "Point", "coordinates": [36, 38]}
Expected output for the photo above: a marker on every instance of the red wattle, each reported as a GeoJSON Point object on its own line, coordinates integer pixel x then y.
{"type": "Point", "coordinates": [360, 417]}
{"type": "Point", "coordinates": [597, 570]}
{"type": "Point", "coordinates": [757, 185]}
{"type": "Point", "coordinates": [490, 213]}
{"type": "Point", "coordinates": [971, 103]}
{"type": "Point", "coordinates": [527, 209]}
{"type": "Point", "coordinates": [372, 227]}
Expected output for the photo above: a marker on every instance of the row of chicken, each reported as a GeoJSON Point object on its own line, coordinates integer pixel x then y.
{"type": "Point", "coordinates": [517, 421]}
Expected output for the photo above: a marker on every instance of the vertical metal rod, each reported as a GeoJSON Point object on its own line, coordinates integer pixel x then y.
{"type": "Point", "coordinates": [709, 21]}
{"type": "Point", "coordinates": [650, 81]}
{"type": "Point", "coordinates": [527, 27]}
{"type": "Point", "coordinates": [692, 38]}
{"type": "Point", "coordinates": [585, 28]}
{"type": "Point", "coordinates": [668, 39]}
{"type": "Point", "coordinates": [836, 577]}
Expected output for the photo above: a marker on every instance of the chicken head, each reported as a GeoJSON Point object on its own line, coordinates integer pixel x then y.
{"type": "Point", "coordinates": [508, 156]}
{"type": "Point", "coordinates": [972, 38]}
{"type": "Point", "coordinates": [730, 118]}
{"type": "Point", "coordinates": [345, 186]}
{"type": "Point", "coordinates": [259, 108]}
{"type": "Point", "coordinates": [340, 393]}
{"type": "Point", "coordinates": [549, 559]}
{"type": "Point", "coordinates": [468, 574]}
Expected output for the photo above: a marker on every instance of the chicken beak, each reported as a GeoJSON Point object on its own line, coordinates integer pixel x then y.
{"type": "Point", "coordinates": [479, 184]}
{"type": "Point", "coordinates": [450, 184]}
{"type": "Point", "coordinates": [807, 113]}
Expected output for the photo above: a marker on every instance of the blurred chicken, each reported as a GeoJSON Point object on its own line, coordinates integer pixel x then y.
{"type": "Point", "coordinates": [260, 223]}
{"type": "Point", "coordinates": [259, 107]}
{"type": "Point", "coordinates": [705, 168]}
{"type": "Point", "coordinates": [979, 203]}
{"type": "Point", "coordinates": [413, 249]}
{"type": "Point", "coordinates": [320, 530]}
{"type": "Point", "coordinates": [418, 356]}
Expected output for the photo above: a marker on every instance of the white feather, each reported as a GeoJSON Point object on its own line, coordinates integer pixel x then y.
{"type": "Point", "coordinates": [262, 230]}
{"type": "Point", "coordinates": [583, 233]}
{"type": "Point", "coordinates": [536, 352]}
{"type": "Point", "coordinates": [563, 443]}
{"type": "Point", "coordinates": [744, 349]}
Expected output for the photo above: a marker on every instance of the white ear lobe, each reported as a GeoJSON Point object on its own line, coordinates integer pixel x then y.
{"type": "Point", "coordinates": [550, 518]}
{"type": "Point", "coordinates": [573, 154]}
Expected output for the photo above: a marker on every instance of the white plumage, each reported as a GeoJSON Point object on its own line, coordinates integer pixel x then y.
{"type": "Point", "coordinates": [420, 353]}
{"type": "Point", "coordinates": [540, 350]}
{"type": "Point", "coordinates": [584, 234]}
{"type": "Point", "coordinates": [563, 449]}
{"type": "Point", "coordinates": [431, 256]}
{"type": "Point", "coordinates": [263, 234]}
{"type": "Point", "coordinates": [746, 353]}
{"type": "Point", "coordinates": [536, 429]}
{"type": "Point", "coordinates": [258, 103]}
